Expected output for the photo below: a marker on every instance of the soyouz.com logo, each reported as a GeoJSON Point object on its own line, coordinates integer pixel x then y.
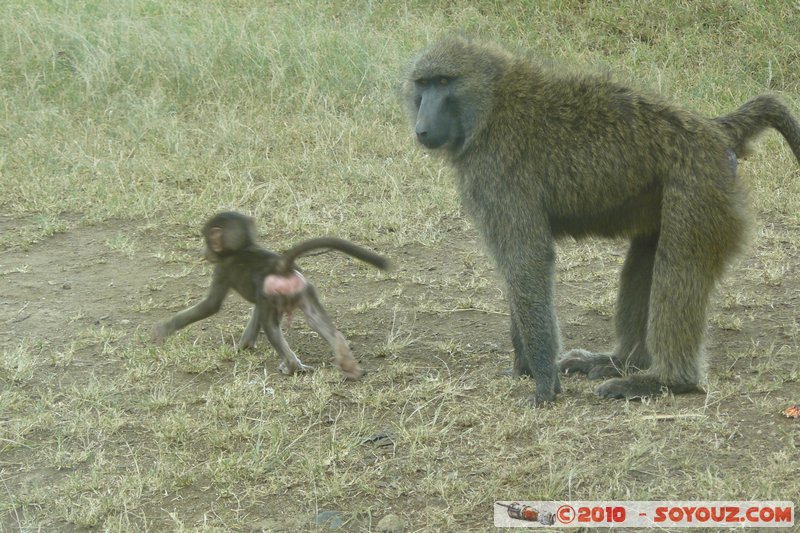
{"type": "Point", "coordinates": [757, 514]}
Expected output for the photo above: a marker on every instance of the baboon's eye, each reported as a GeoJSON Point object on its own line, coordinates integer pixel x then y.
{"type": "Point", "coordinates": [422, 82]}
{"type": "Point", "coordinates": [444, 81]}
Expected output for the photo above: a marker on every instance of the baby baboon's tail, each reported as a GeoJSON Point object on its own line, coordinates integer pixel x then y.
{"type": "Point", "coordinates": [368, 256]}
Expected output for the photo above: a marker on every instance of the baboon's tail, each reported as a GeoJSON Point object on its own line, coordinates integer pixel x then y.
{"type": "Point", "coordinates": [288, 257]}
{"type": "Point", "coordinates": [755, 116]}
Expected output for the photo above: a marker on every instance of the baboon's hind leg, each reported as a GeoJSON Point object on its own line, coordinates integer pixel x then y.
{"type": "Point", "coordinates": [320, 322]}
{"type": "Point", "coordinates": [633, 303]}
{"type": "Point", "coordinates": [700, 231]}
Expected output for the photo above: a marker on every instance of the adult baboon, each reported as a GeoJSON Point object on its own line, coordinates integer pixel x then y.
{"type": "Point", "coordinates": [273, 283]}
{"type": "Point", "coordinates": [540, 154]}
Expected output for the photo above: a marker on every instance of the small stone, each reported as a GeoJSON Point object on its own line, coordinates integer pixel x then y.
{"type": "Point", "coordinates": [391, 523]}
{"type": "Point", "coordinates": [380, 439]}
{"type": "Point", "coordinates": [331, 519]}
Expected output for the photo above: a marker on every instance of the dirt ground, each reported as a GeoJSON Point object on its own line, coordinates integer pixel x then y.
{"type": "Point", "coordinates": [55, 290]}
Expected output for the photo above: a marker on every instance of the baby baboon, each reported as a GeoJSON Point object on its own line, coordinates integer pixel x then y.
{"type": "Point", "coordinates": [273, 283]}
{"type": "Point", "coordinates": [540, 154]}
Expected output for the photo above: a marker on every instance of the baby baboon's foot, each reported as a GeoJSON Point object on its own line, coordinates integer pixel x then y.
{"type": "Point", "coordinates": [246, 344]}
{"type": "Point", "coordinates": [289, 367]}
{"type": "Point", "coordinates": [353, 372]}
{"type": "Point", "coordinates": [641, 386]}
{"type": "Point", "coordinates": [160, 332]}
{"type": "Point", "coordinates": [344, 359]}
{"type": "Point", "coordinates": [594, 365]}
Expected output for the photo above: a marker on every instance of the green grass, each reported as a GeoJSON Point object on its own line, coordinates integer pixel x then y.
{"type": "Point", "coordinates": [125, 123]}
{"type": "Point", "coordinates": [168, 112]}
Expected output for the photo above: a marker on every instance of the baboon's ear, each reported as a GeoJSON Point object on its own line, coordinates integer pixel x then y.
{"type": "Point", "coordinates": [215, 241]}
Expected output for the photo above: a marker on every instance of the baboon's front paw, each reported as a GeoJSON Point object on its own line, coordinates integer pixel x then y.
{"type": "Point", "coordinates": [594, 365]}
{"type": "Point", "coordinates": [542, 399]}
{"type": "Point", "coordinates": [546, 393]}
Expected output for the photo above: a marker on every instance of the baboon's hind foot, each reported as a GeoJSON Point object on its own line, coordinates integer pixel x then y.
{"type": "Point", "coordinates": [641, 386]}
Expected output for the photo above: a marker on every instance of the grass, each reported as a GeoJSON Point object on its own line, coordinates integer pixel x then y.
{"type": "Point", "coordinates": [126, 123]}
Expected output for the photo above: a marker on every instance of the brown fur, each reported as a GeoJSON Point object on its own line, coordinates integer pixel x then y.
{"type": "Point", "coordinates": [539, 155]}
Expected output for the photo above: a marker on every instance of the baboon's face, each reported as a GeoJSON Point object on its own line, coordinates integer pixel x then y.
{"type": "Point", "coordinates": [437, 118]}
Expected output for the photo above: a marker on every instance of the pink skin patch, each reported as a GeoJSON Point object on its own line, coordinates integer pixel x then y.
{"type": "Point", "coordinates": [289, 285]}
